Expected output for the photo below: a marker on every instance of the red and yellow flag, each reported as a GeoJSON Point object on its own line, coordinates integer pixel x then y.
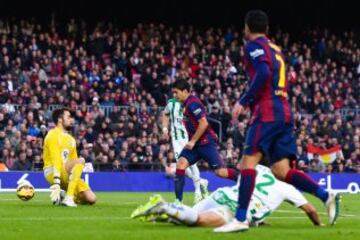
{"type": "Point", "coordinates": [325, 155]}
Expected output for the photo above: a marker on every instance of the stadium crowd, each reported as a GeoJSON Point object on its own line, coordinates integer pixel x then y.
{"type": "Point", "coordinates": [116, 81]}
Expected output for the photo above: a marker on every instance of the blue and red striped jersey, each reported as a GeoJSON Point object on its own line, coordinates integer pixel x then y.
{"type": "Point", "coordinates": [194, 110]}
{"type": "Point", "coordinates": [266, 94]}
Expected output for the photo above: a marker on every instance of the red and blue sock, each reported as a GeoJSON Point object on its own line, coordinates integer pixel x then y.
{"type": "Point", "coordinates": [246, 188]}
{"type": "Point", "coordinates": [304, 183]}
{"type": "Point", "coordinates": [233, 174]}
{"type": "Point", "coordinates": [179, 183]}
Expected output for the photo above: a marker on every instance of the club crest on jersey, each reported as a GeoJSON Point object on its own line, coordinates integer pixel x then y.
{"type": "Point", "coordinates": [257, 52]}
{"type": "Point", "coordinates": [65, 154]}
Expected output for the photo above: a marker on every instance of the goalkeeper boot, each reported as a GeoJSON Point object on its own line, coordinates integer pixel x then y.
{"type": "Point", "coordinates": [150, 207]}
{"type": "Point", "coordinates": [332, 207]}
{"type": "Point", "coordinates": [68, 202]}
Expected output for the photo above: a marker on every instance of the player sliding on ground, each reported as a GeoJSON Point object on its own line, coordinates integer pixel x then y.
{"type": "Point", "coordinates": [219, 208]}
{"type": "Point", "coordinates": [62, 166]}
{"type": "Point", "coordinates": [173, 117]}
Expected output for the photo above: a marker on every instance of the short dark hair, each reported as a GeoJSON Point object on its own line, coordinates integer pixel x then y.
{"type": "Point", "coordinates": [257, 21]}
{"type": "Point", "coordinates": [58, 113]}
{"type": "Point", "coordinates": [181, 84]}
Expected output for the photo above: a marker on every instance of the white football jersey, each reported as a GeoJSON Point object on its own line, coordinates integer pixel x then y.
{"type": "Point", "coordinates": [177, 128]}
{"type": "Point", "coordinates": [268, 194]}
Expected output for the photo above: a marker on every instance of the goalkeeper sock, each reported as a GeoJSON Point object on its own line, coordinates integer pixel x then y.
{"type": "Point", "coordinates": [179, 183]}
{"type": "Point", "coordinates": [74, 179]}
{"type": "Point", "coordinates": [246, 188]}
{"type": "Point", "coordinates": [181, 212]}
{"type": "Point", "coordinates": [195, 177]}
{"type": "Point", "coordinates": [304, 183]}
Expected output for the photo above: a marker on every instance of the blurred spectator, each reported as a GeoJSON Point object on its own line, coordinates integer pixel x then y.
{"type": "Point", "coordinates": [93, 71]}
{"type": "Point", "coordinates": [316, 165]}
{"type": "Point", "coordinates": [117, 167]}
{"type": "Point", "coordinates": [22, 164]}
{"type": "Point", "coordinates": [338, 164]}
{"type": "Point", "coordinates": [302, 166]}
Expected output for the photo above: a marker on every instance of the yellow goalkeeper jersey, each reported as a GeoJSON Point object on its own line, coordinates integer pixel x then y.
{"type": "Point", "coordinates": [59, 147]}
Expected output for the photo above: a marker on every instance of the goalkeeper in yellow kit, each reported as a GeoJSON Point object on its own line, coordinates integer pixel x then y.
{"type": "Point", "coordinates": [62, 166]}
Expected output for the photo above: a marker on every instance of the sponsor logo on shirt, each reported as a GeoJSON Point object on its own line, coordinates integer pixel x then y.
{"type": "Point", "coordinates": [197, 111]}
{"type": "Point", "coordinates": [256, 53]}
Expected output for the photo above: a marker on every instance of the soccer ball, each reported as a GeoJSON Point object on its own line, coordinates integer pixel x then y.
{"type": "Point", "coordinates": [25, 190]}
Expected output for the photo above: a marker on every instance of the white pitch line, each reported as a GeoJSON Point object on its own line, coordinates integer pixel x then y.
{"type": "Point", "coordinates": [6, 219]}
{"type": "Point", "coordinates": [293, 217]}
{"type": "Point", "coordinates": [121, 203]}
{"type": "Point", "coordinates": [9, 219]}
{"type": "Point", "coordinates": [321, 213]}
{"type": "Point", "coordinates": [132, 203]}
{"type": "Point", "coordinates": [16, 200]}
{"type": "Point", "coordinates": [289, 211]}
{"type": "Point", "coordinates": [39, 200]}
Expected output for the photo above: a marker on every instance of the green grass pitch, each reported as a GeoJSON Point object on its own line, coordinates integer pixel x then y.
{"type": "Point", "coordinates": [109, 219]}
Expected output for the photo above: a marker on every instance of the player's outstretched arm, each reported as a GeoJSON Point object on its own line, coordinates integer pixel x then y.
{"type": "Point", "coordinates": [294, 196]}
{"type": "Point", "coordinates": [311, 213]}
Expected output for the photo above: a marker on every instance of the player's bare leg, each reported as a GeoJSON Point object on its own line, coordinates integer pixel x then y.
{"type": "Point", "coordinates": [210, 219]}
{"type": "Point", "coordinates": [281, 168]}
{"type": "Point", "coordinates": [221, 172]}
{"type": "Point", "coordinates": [229, 173]}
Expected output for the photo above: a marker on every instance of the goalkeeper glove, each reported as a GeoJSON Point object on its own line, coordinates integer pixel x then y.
{"type": "Point", "coordinates": [55, 191]}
